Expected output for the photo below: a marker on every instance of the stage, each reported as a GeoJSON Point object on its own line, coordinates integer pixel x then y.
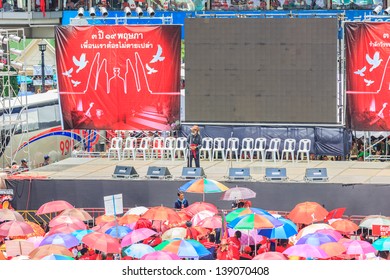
{"type": "Point", "coordinates": [362, 187]}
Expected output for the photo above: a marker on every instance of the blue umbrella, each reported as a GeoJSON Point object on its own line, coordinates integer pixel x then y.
{"type": "Point", "coordinates": [79, 234]}
{"type": "Point", "coordinates": [382, 244]}
{"type": "Point", "coordinates": [285, 231]}
{"type": "Point", "coordinates": [118, 231]}
{"type": "Point", "coordinates": [138, 250]}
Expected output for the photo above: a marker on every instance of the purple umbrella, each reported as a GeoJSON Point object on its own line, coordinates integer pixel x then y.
{"type": "Point", "coordinates": [136, 236]}
{"type": "Point", "coordinates": [64, 239]}
{"type": "Point", "coordinates": [315, 239]}
{"type": "Point", "coordinates": [306, 251]}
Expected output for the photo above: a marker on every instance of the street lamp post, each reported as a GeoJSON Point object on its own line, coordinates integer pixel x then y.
{"type": "Point", "coordinates": [42, 48]}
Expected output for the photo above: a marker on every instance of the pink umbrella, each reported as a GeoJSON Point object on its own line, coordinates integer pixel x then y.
{"type": "Point", "coordinates": [358, 247]}
{"type": "Point", "coordinates": [136, 236]}
{"type": "Point", "coordinates": [53, 206]}
{"type": "Point", "coordinates": [270, 256]}
{"type": "Point", "coordinates": [66, 228]}
{"type": "Point", "coordinates": [60, 220]}
{"type": "Point", "coordinates": [306, 251]}
{"type": "Point", "coordinates": [36, 240]}
{"type": "Point", "coordinates": [103, 227]}
{"type": "Point", "coordinates": [15, 228]}
{"type": "Point", "coordinates": [102, 242]}
{"type": "Point", "coordinates": [198, 217]}
{"type": "Point", "coordinates": [211, 222]}
{"type": "Point", "coordinates": [160, 255]}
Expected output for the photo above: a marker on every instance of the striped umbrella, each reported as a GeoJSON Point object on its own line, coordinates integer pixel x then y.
{"type": "Point", "coordinates": [203, 186]}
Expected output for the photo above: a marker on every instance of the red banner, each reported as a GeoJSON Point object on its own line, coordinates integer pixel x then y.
{"type": "Point", "coordinates": [367, 62]}
{"type": "Point", "coordinates": [379, 230]}
{"type": "Point", "coordinates": [119, 77]}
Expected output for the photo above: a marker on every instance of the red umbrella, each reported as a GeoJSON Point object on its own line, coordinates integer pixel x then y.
{"type": "Point", "coordinates": [66, 228]}
{"type": "Point", "coordinates": [211, 222]}
{"type": "Point", "coordinates": [103, 227]}
{"type": "Point", "coordinates": [102, 242]}
{"type": "Point", "coordinates": [161, 213]}
{"type": "Point", "coordinates": [196, 207]}
{"type": "Point", "coordinates": [15, 228]}
{"type": "Point", "coordinates": [60, 220]}
{"type": "Point", "coordinates": [270, 256]}
{"type": "Point", "coordinates": [53, 206]}
{"type": "Point", "coordinates": [307, 213]}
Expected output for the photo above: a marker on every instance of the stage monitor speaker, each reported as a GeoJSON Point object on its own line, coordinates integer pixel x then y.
{"type": "Point", "coordinates": [316, 175]}
{"type": "Point", "coordinates": [155, 172]}
{"type": "Point", "coordinates": [239, 174]}
{"type": "Point", "coordinates": [125, 172]}
{"type": "Point", "coordinates": [192, 173]}
{"type": "Point", "coordinates": [275, 174]}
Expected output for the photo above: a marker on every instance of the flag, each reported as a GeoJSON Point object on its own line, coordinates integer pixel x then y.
{"type": "Point", "coordinates": [335, 214]}
{"type": "Point", "coordinates": [43, 7]}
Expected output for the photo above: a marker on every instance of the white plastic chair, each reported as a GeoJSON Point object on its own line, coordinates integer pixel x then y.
{"type": "Point", "coordinates": [157, 147]}
{"type": "Point", "coordinates": [247, 148]}
{"type": "Point", "coordinates": [259, 147]}
{"type": "Point", "coordinates": [181, 148]}
{"type": "Point", "coordinates": [169, 148]}
{"type": "Point", "coordinates": [304, 146]}
{"type": "Point", "coordinates": [144, 147]}
{"type": "Point", "coordinates": [207, 148]}
{"type": "Point", "coordinates": [232, 148]}
{"type": "Point", "coordinates": [274, 146]}
{"type": "Point", "coordinates": [130, 148]}
{"type": "Point", "coordinates": [115, 147]}
{"type": "Point", "coordinates": [288, 149]}
{"type": "Point", "coordinates": [219, 147]}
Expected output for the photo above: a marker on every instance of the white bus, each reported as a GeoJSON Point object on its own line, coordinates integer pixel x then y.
{"type": "Point", "coordinates": [36, 131]}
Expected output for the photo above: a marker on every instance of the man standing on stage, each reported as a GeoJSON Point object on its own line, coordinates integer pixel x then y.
{"type": "Point", "coordinates": [194, 142]}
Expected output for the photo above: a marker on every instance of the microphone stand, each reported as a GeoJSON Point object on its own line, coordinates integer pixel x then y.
{"type": "Point", "coordinates": [231, 150]}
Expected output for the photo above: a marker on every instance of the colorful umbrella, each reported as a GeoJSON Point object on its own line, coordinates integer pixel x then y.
{"type": "Point", "coordinates": [184, 248]}
{"type": "Point", "coordinates": [80, 233]}
{"type": "Point", "coordinates": [382, 244]}
{"type": "Point", "coordinates": [57, 257]}
{"type": "Point", "coordinates": [66, 240]}
{"type": "Point", "coordinates": [53, 206]}
{"type": "Point", "coordinates": [136, 236]}
{"type": "Point", "coordinates": [252, 210]}
{"type": "Point", "coordinates": [197, 207]}
{"type": "Point", "coordinates": [238, 193]}
{"type": "Point", "coordinates": [42, 251]}
{"type": "Point", "coordinates": [118, 231]}
{"type": "Point", "coordinates": [203, 186]}
{"type": "Point", "coordinates": [102, 242]}
{"type": "Point", "coordinates": [333, 249]}
{"type": "Point", "coordinates": [60, 220]}
{"type": "Point", "coordinates": [10, 215]}
{"type": "Point", "coordinates": [315, 239]}
{"type": "Point", "coordinates": [161, 213]}
{"type": "Point", "coordinates": [270, 256]}
{"type": "Point", "coordinates": [138, 250]}
{"type": "Point", "coordinates": [307, 213]}
{"type": "Point", "coordinates": [306, 251]}
{"type": "Point", "coordinates": [15, 228]}
{"type": "Point", "coordinates": [78, 213]}
{"type": "Point", "coordinates": [160, 255]}
{"type": "Point", "coordinates": [251, 221]}
{"type": "Point", "coordinates": [370, 220]}
{"type": "Point", "coordinates": [285, 231]}
{"type": "Point", "coordinates": [248, 237]}
{"type": "Point", "coordinates": [345, 226]}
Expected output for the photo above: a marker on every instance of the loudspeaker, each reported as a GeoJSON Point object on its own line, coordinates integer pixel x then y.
{"type": "Point", "coordinates": [239, 174]}
{"type": "Point", "coordinates": [125, 172]}
{"type": "Point", "coordinates": [155, 172]}
{"type": "Point", "coordinates": [316, 175]}
{"type": "Point", "coordinates": [193, 173]}
{"type": "Point", "coordinates": [275, 174]}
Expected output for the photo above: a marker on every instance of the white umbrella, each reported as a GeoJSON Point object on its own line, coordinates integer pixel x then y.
{"type": "Point", "coordinates": [238, 193]}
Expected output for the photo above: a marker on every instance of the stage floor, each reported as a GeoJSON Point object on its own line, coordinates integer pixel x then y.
{"type": "Point", "coordinates": [342, 172]}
